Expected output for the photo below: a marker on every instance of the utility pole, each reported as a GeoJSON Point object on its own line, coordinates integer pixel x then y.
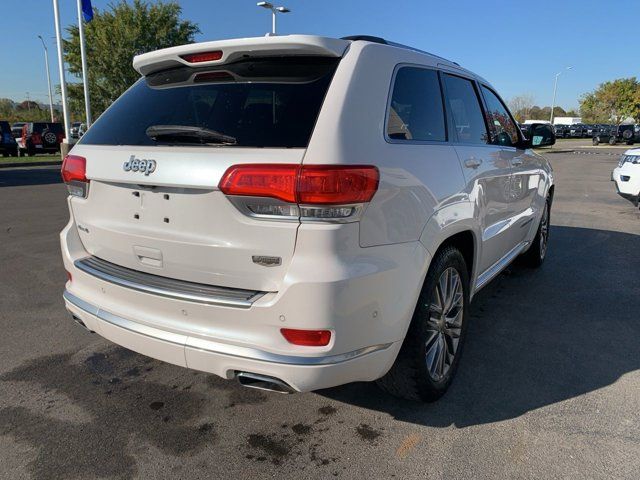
{"type": "Point", "coordinates": [28, 103]}
{"type": "Point", "coordinates": [46, 63]}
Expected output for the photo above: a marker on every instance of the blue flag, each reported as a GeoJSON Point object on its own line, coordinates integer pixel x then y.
{"type": "Point", "coordinates": [87, 11]}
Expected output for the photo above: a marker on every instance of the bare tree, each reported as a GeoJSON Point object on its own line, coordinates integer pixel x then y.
{"type": "Point", "coordinates": [521, 105]}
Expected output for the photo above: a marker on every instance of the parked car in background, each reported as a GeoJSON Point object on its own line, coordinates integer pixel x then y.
{"type": "Point", "coordinates": [8, 145]}
{"type": "Point", "coordinates": [561, 131]}
{"type": "Point", "coordinates": [613, 134]}
{"type": "Point", "coordinates": [75, 129]}
{"type": "Point", "coordinates": [576, 130]}
{"type": "Point", "coordinates": [16, 129]}
{"type": "Point", "coordinates": [261, 209]}
{"type": "Point", "coordinates": [590, 130]}
{"type": "Point", "coordinates": [627, 176]}
{"type": "Point", "coordinates": [40, 137]}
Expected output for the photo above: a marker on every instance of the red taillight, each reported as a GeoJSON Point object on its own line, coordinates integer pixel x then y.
{"type": "Point", "coordinates": [335, 185]}
{"type": "Point", "coordinates": [260, 180]}
{"type": "Point", "coordinates": [307, 338]}
{"type": "Point", "coordinates": [202, 57]}
{"type": "Point", "coordinates": [60, 137]}
{"type": "Point", "coordinates": [307, 185]}
{"type": "Point", "coordinates": [74, 174]}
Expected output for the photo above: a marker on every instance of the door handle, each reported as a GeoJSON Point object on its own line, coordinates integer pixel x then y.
{"type": "Point", "coordinates": [473, 162]}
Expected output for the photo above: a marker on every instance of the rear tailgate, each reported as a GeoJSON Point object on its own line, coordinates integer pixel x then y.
{"type": "Point", "coordinates": [153, 203]}
{"type": "Point", "coordinates": [175, 222]}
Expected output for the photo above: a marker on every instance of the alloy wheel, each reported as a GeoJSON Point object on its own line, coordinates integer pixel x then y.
{"type": "Point", "coordinates": [544, 231]}
{"type": "Point", "coordinates": [444, 324]}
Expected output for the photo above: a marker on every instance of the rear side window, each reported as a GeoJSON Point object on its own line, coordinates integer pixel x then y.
{"type": "Point", "coordinates": [416, 111]}
{"type": "Point", "coordinates": [53, 127]}
{"type": "Point", "coordinates": [258, 103]}
{"type": "Point", "coordinates": [503, 130]}
{"type": "Point", "coordinates": [4, 127]}
{"type": "Point", "coordinates": [466, 114]}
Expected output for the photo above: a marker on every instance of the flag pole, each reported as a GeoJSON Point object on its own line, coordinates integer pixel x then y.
{"type": "Point", "coordinates": [85, 78]}
{"type": "Point", "coordinates": [63, 83]}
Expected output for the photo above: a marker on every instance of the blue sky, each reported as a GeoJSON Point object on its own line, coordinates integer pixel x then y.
{"type": "Point", "coordinates": [516, 45]}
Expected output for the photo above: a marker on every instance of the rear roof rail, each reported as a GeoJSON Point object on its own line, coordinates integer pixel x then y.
{"type": "Point", "coordinates": [380, 40]}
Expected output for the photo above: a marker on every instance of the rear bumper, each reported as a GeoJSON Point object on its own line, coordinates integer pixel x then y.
{"type": "Point", "coordinates": [367, 306]}
{"type": "Point", "coordinates": [302, 373]}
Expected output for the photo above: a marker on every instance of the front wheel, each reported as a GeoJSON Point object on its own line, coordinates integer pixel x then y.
{"type": "Point", "coordinates": [431, 351]}
{"type": "Point", "coordinates": [595, 141]}
{"type": "Point", "coordinates": [534, 257]}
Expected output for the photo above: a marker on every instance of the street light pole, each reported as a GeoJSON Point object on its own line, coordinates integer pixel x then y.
{"type": "Point", "coordinates": [85, 73]}
{"type": "Point", "coordinates": [63, 83]}
{"type": "Point", "coordinates": [274, 12]}
{"type": "Point", "coordinates": [555, 89]}
{"type": "Point", "coordinates": [46, 63]}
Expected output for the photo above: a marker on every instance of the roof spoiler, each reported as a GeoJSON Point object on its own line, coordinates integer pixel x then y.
{"type": "Point", "coordinates": [224, 51]}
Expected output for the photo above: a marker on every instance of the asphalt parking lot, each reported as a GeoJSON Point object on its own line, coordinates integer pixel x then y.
{"type": "Point", "coordinates": [549, 386]}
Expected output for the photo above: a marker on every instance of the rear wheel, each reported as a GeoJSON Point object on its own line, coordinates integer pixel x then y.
{"type": "Point", "coordinates": [431, 350]}
{"type": "Point", "coordinates": [596, 141]}
{"type": "Point", "coordinates": [534, 257]}
{"type": "Point", "coordinates": [612, 140]}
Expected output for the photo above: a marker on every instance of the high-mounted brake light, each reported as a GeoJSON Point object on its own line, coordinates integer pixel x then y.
{"type": "Point", "coordinates": [202, 56]}
{"type": "Point", "coordinates": [74, 174]}
{"type": "Point", "coordinates": [307, 338]}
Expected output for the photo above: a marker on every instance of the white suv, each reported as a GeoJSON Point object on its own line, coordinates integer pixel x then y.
{"type": "Point", "coordinates": [300, 212]}
{"type": "Point", "coordinates": [627, 175]}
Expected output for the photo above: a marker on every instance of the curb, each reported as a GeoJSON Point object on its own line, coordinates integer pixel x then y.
{"type": "Point", "coordinates": [30, 164]}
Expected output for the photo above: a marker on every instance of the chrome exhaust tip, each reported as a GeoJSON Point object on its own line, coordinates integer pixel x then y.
{"type": "Point", "coordinates": [81, 323]}
{"type": "Point", "coordinates": [263, 382]}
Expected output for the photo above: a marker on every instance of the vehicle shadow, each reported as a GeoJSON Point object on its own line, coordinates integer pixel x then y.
{"type": "Point", "coordinates": [29, 176]}
{"type": "Point", "coordinates": [537, 337]}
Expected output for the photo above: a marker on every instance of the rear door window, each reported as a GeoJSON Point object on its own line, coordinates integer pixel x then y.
{"type": "Point", "coordinates": [259, 103]}
{"type": "Point", "coordinates": [416, 111]}
{"type": "Point", "coordinates": [465, 111]}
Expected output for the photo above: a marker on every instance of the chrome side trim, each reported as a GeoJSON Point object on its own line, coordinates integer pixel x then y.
{"type": "Point", "coordinates": [486, 276]}
{"type": "Point", "coordinates": [211, 346]}
{"type": "Point", "coordinates": [167, 287]}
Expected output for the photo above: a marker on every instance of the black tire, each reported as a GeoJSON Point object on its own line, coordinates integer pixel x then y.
{"type": "Point", "coordinates": [410, 377]}
{"type": "Point", "coordinates": [612, 140]}
{"type": "Point", "coordinates": [596, 141]}
{"type": "Point", "coordinates": [630, 142]}
{"type": "Point", "coordinates": [534, 257]}
{"type": "Point", "coordinates": [5, 154]}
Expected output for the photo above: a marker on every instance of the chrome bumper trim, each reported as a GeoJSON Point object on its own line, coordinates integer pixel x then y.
{"type": "Point", "coordinates": [248, 353]}
{"type": "Point", "coordinates": [167, 287]}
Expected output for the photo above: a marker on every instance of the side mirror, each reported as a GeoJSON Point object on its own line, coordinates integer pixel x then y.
{"type": "Point", "coordinates": [541, 135]}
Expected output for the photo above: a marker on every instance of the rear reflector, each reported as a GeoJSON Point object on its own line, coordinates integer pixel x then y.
{"type": "Point", "coordinates": [74, 170]}
{"type": "Point", "coordinates": [307, 338]}
{"type": "Point", "coordinates": [202, 57]}
{"type": "Point", "coordinates": [307, 185]}
{"type": "Point", "coordinates": [69, 277]}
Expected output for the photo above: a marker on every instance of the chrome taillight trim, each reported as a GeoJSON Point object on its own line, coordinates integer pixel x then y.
{"type": "Point", "coordinates": [242, 203]}
{"type": "Point", "coordinates": [167, 287]}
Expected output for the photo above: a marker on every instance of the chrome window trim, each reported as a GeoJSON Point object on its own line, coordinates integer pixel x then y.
{"type": "Point", "coordinates": [212, 346]}
{"type": "Point", "coordinates": [167, 287]}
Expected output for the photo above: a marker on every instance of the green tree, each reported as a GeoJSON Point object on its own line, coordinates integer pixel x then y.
{"type": "Point", "coordinates": [612, 101]}
{"type": "Point", "coordinates": [112, 38]}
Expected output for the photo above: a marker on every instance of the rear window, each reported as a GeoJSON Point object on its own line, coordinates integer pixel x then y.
{"type": "Point", "coordinates": [53, 127]}
{"type": "Point", "coordinates": [259, 103]}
